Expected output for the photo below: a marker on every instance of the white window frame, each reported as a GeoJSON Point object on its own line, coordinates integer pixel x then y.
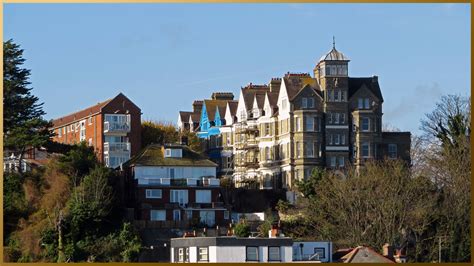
{"type": "Point", "coordinates": [158, 216]}
{"type": "Point", "coordinates": [203, 196]}
{"type": "Point", "coordinates": [298, 124]}
{"type": "Point", "coordinates": [181, 254]}
{"type": "Point", "coordinates": [311, 102]}
{"type": "Point", "coordinates": [360, 103]}
{"type": "Point", "coordinates": [304, 102]}
{"type": "Point", "coordinates": [202, 254]}
{"type": "Point", "coordinates": [333, 161]}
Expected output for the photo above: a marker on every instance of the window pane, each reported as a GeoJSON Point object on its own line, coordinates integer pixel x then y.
{"type": "Point", "coordinates": [365, 124]}
{"type": "Point", "coordinates": [252, 254]}
{"type": "Point", "coordinates": [203, 196]}
{"type": "Point", "coordinates": [365, 149]}
{"type": "Point", "coordinates": [203, 254]}
{"type": "Point", "coordinates": [309, 124]}
{"type": "Point", "coordinates": [273, 253]}
{"type": "Point", "coordinates": [366, 103]}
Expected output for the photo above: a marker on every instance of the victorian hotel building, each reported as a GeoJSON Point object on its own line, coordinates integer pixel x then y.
{"type": "Point", "coordinates": [280, 131]}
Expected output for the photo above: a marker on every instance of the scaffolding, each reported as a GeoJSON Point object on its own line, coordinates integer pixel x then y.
{"type": "Point", "coordinates": [246, 150]}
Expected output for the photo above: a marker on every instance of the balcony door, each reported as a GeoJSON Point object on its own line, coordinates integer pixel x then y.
{"type": "Point", "coordinates": [179, 196]}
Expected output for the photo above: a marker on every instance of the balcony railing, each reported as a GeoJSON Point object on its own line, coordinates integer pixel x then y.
{"type": "Point", "coordinates": [116, 147]}
{"type": "Point", "coordinates": [116, 127]}
{"type": "Point", "coordinates": [180, 182]}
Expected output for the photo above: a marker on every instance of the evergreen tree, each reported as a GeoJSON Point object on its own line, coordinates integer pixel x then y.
{"type": "Point", "coordinates": [23, 125]}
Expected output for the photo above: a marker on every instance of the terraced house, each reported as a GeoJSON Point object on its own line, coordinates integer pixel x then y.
{"type": "Point", "coordinates": [282, 130]}
{"type": "Point", "coordinates": [214, 127]}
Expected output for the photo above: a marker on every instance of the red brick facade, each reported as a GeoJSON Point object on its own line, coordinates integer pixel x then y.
{"type": "Point", "coordinates": [67, 128]}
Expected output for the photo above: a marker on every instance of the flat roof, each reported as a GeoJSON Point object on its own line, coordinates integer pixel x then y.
{"type": "Point", "coordinates": [230, 241]}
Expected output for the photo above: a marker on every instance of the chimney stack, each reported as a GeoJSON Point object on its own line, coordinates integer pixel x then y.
{"type": "Point", "coordinates": [274, 232]}
{"type": "Point", "coordinates": [388, 251]}
{"type": "Point", "coordinates": [197, 106]}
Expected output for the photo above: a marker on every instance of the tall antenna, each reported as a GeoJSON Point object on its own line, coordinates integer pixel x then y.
{"type": "Point", "coordinates": [333, 42]}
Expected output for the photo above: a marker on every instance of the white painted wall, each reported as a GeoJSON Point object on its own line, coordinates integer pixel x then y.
{"type": "Point", "coordinates": [308, 250]}
{"type": "Point", "coordinates": [193, 254]}
{"type": "Point", "coordinates": [226, 254]}
{"type": "Point", "coordinates": [235, 254]}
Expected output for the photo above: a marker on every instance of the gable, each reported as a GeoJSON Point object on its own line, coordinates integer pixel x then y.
{"type": "Point", "coordinates": [307, 92]}
{"type": "Point", "coordinates": [241, 110]}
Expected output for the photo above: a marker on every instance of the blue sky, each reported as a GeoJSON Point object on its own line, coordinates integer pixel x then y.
{"type": "Point", "coordinates": [164, 56]}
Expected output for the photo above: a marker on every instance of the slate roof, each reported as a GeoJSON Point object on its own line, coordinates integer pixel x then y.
{"type": "Point", "coordinates": [362, 254]}
{"type": "Point", "coordinates": [233, 107]}
{"type": "Point", "coordinates": [249, 93]}
{"type": "Point", "coordinates": [211, 106]}
{"type": "Point", "coordinates": [184, 116]}
{"type": "Point", "coordinates": [371, 82]}
{"type": "Point", "coordinates": [79, 115]}
{"type": "Point", "coordinates": [260, 100]}
{"type": "Point", "coordinates": [196, 117]}
{"type": "Point", "coordinates": [152, 155]}
{"type": "Point", "coordinates": [295, 83]}
{"type": "Point", "coordinates": [273, 98]}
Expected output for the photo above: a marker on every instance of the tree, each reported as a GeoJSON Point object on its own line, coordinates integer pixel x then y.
{"type": "Point", "coordinates": [267, 223]}
{"type": "Point", "coordinates": [242, 229]}
{"type": "Point", "coordinates": [446, 153]}
{"type": "Point", "coordinates": [194, 142]}
{"type": "Point", "coordinates": [449, 121]}
{"type": "Point", "coordinates": [307, 187]}
{"type": "Point", "coordinates": [377, 204]}
{"type": "Point", "coordinates": [23, 125]}
{"type": "Point", "coordinates": [158, 133]}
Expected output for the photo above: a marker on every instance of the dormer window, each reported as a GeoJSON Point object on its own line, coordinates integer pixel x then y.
{"type": "Point", "coordinates": [173, 153]}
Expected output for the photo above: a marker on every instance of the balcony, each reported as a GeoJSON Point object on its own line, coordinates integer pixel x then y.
{"type": "Point", "coordinates": [117, 147]}
{"type": "Point", "coordinates": [155, 181]}
{"type": "Point", "coordinates": [180, 182]}
{"type": "Point", "coordinates": [116, 127]}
